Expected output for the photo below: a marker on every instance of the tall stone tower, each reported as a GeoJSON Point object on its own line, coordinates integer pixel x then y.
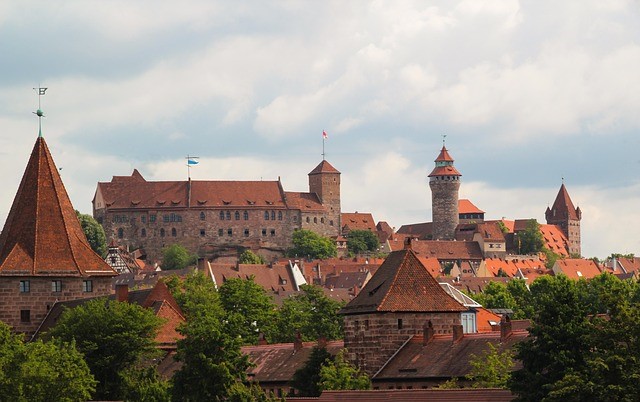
{"type": "Point", "coordinates": [324, 180]}
{"type": "Point", "coordinates": [567, 217]}
{"type": "Point", "coordinates": [444, 181]}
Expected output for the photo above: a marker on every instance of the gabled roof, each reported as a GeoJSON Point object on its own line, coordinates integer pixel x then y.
{"type": "Point", "coordinates": [358, 221]}
{"type": "Point", "coordinates": [324, 167]}
{"type": "Point", "coordinates": [42, 235]}
{"type": "Point", "coordinates": [562, 206]}
{"type": "Point", "coordinates": [402, 283]}
{"type": "Point", "coordinates": [303, 201]}
{"type": "Point", "coordinates": [448, 249]}
{"type": "Point", "coordinates": [555, 239]}
{"type": "Point", "coordinates": [466, 207]}
{"type": "Point", "coordinates": [576, 268]}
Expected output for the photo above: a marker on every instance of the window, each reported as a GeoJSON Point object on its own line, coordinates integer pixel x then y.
{"type": "Point", "coordinates": [246, 216]}
{"type": "Point", "coordinates": [143, 218]}
{"type": "Point", "coordinates": [152, 218]}
{"type": "Point", "coordinates": [166, 218]}
{"type": "Point", "coordinates": [120, 233]}
{"type": "Point", "coordinates": [162, 232]}
{"type": "Point", "coordinates": [228, 215]}
{"type": "Point", "coordinates": [25, 315]}
{"type": "Point", "coordinates": [246, 233]}
{"type": "Point", "coordinates": [321, 220]}
{"type": "Point", "coordinates": [87, 286]}
{"type": "Point", "coordinates": [229, 232]}
{"type": "Point", "coordinates": [307, 219]}
{"type": "Point", "coordinates": [221, 215]}
{"type": "Point", "coordinates": [237, 215]}
{"type": "Point", "coordinates": [143, 232]}
{"type": "Point", "coordinates": [220, 232]}
{"type": "Point", "coordinates": [56, 286]}
{"type": "Point", "coordinates": [295, 218]}
{"type": "Point", "coordinates": [202, 233]}
{"type": "Point", "coordinates": [25, 286]}
{"type": "Point", "coordinates": [264, 232]}
{"type": "Point", "coordinates": [331, 223]}
{"type": "Point", "coordinates": [202, 216]}
{"type": "Point", "coordinates": [273, 232]}
{"type": "Point", "coordinates": [174, 232]}
{"type": "Point", "coordinates": [266, 215]}
{"type": "Point", "coordinates": [399, 323]}
{"type": "Point", "coordinates": [315, 220]}
{"type": "Point", "coordinates": [273, 215]}
{"type": "Point", "coordinates": [279, 215]}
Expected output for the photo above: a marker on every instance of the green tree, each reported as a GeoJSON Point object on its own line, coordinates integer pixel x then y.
{"type": "Point", "coordinates": [359, 241]}
{"type": "Point", "coordinates": [145, 385]}
{"type": "Point", "coordinates": [496, 295]}
{"type": "Point", "coordinates": [310, 244]}
{"type": "Point", "coordinates": [306, 380]}
{"type": "Point", "coordinates": [311, 313]}
{"type": "Point", "coordinates": [339, 374]}
{"type": "Point", "coordinates": [519, 291]}
{"type": "Point", "coordinates": [492, 368]}
{"type": "Point", "coordinates": [112, 336]}
{"type": "Point", "coordinates": [530, 240]}
{"type": "Point", "coordinates": [249, 257]}
{"type": "Point", "coordinates": [176, 256]}
{"type": "Point", "coordinates": [94, 233]}
{"type": "Point", "coordinates": [248, 309]}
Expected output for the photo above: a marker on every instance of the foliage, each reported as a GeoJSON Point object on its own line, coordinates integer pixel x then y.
{"type": "Point", "coordinates": [94, 232]}
{"type": "Point", "coordinates": [513, 295]}
{"type": "Point", "coordinates": [503, 227]}
{"type": "Point", "coordinates": [311, 313]}
{"type": "Point", "coordinates": [144, 385]}
{"type": "Point", "coordinates": [450, 384]}
{"type": "Point", "coordinates": [249, 257]}
{"type": "Point", "coordinates": [248, 309]}
{"type": "Point", "coordinates": [339, 374]}
{"type": "Point", "coordinates": [524, 307]}
{"type": "Point", "coordinates": [113, 336]}
{"type": "Point", "coordinates": [196, 295]}
{"type": "Point", "coordinates": [250, 393]}
{"type": "Point", "coordinates": [550, 258]}
{"type": "Point", "coordinates": [530, 240]}
{"type": "Point", "coordinates": [38, 371]}
{"type": "Point", "coordinates": [628, 256]}
{"type": "Point", "coordinates": [306, 379]}
{"type": "Point", "coordinates": [359, 241]}
{"type": "Point", "coordinates": [176, 256]}
{"type": "Point", "coordinates": [492, 368]}
{"type": "Point", "coordinates": [311, 245]}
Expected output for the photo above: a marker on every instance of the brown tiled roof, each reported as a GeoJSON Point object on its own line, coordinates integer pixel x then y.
{"type": "Point", "coordinates": [42, 235]}
{"type": "Point", "coordinates": [347, 280]}
{"type": "Point", "coordinates": [402, 283]}
{"type": "Point", "coordinates": [576, 268]}
{"type": "Point", "coordinates": [358, 221]}
{"type": "Point", "coordinates": [324, 167]}
{"type": "Point", "coordinates": [444, 171]}
{"type": "Point", "coordinates": [562, 206]}
{"type": "Point", "coordinates": [303, 201]}
{"type": "Point", "coordinates": [276, 278]}
{"type": "Point", "coordinates": [448, 250]}
{"type": "Point", "coordinates": [490, 231]}
{"type": "Point", "coordinates": [466, 207]}
{"type": "Point", "coordinates": [411, 395]}
{"type": "Point", "coordinates": [420, 230]}
{"type": "Point", "coordinates": [135, 192]}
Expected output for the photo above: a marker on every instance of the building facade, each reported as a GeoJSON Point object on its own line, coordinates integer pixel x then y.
{"type": "Point", "coordinates": [444, 182]}
{"type": "Point", "coordinates": [206, 216]}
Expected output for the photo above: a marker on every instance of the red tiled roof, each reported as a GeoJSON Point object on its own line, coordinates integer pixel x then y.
{"type": "Point", "coordinates": [576, 268]}
{"type": "Point", "coordinates": [444, 171]}
{"type": "Point", "coordinates": [276, 278]}
{"type": "Point", "coordinates": [358, 221]}
{"type": "Point", "coordinates": [562, 206]}
{"type": "Point", "coordinates": [555, 239]}
{"type": "Point", "coordinates": [444, 156]}
{"type": "Point", "coordinates": [466, 207]}
{"type": "Point", "coordinates": [402, 283]}
{"type": "Point", "coordinates": [495, 265]}
{"type": "Point", "coordinates": [324, 167]}
{"type": "Point", "coordinates": [42, 235]}
{"type": "Point", "coordinates": [490, 231]}
{"type": "Point", "coordinates": [448, 250]}
{"type": "Point", "coordinates": [303, 201]}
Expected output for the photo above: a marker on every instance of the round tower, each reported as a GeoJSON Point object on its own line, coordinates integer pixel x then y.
{"type": "Point", "coordinates": [444, 181]}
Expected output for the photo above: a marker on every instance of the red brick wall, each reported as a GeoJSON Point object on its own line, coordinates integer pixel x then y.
{"type": "Point", "coordinates": [371, 339]}
{"type": "Point", "coordinates": [41, 297]}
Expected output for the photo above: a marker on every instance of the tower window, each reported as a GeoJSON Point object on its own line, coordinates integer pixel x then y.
{"type": "Point", "coordinates": [246, 216]}
{"type": "Point", "coordinates": [202, 216]}
{"type": "Point", "coordinates": [56, 286]}
{"type": "Point", "coordinates": [221, 215]}
{"type": "Point", "coordinates": [237, 215]}
{"type": "Point", "coordinates": [25, 286]}
{"type": "Point", "coordinates": [25, 315]}
{"type": "Point", "coordinates": [399, 323]}
{"type": "Point", "coordinates": [87, 286]}
{"type": "Point", "coordinates": [174, 232]}
{"type": "Point", "coordinates": [120, 233]}
{"type": "Point", "coordinates": [246, 233]}
{"type": "Point", "coordinates": [202, 233]}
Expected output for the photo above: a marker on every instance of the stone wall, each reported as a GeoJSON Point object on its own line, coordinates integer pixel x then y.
{"type": "Point", "coordinates": [444, 208]}
{"type": "Point", "coordinates": [371, 339]}
{"type": "Point", "coordinates": [40, 297]}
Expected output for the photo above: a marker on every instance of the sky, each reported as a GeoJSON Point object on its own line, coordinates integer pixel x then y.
{"type": "Point", "coordinates": [528, 94]}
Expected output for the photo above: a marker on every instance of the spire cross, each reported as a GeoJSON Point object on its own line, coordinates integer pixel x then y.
{"type": "Point", "coordinates": [39, 112]}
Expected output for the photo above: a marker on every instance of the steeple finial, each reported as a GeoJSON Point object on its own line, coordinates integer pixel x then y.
{"type": "Point", "coordinates": [443, 139]}
{"type": "Point", "coordinates": [39, 112]}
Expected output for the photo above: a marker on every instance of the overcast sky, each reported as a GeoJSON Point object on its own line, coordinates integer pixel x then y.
{"type": "Point", "coordinates": [527, 93]}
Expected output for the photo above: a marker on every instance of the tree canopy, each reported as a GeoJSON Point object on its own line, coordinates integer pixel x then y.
{"type": "Point", "coordinates": [112, 336]}
{"type": "Point", "coordinates": [359, 241]}
{"type": "Point", "coordinates": [306, 379]}
{"type": "Point", "coordinates": [530, 240]}
{"type": "Point", "coordinates": [492, 368]}
{"type": "Point", "coordinates": [339, 374]}
{"type": "Point", "coordinates": [309, 244]}
{"type": "Point", "coordinates": [249, 257]}
{"type": "Point", "coordinates": [176, 256]}
{"type": "Point", "coordinates": [94, 233]}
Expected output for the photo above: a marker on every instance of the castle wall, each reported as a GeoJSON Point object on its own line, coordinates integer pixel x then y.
{"type": "Point", "coordinates": [371, 339]}
{"type": "Point", "coordinates": [444, 206]}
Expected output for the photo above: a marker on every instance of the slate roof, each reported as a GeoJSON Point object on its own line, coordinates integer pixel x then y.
{"type": "Point", "coordinates": [402, 283]}
{"type": "Point", "coordinates": [42, 235]}
{"type": "Point", "coordinates": [324, 167]}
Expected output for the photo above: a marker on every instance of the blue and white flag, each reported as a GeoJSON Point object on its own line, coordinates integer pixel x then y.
{"type": "Point", "coordinates": [192, 162]}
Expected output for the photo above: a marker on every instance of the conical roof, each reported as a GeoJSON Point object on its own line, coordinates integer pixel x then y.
{"type": "Point", "coordinates": [402, 284]}
{"type": "Point", "coordinates": [563, 206]}
{"type": "Point", "coordinates": [444, 156]}
{"type": "Point", "coordinates": [324, 167]}
{"type": "Point", "coordinates": [444, 165]}
{"type": "Point", "coordinates": [42, 235]}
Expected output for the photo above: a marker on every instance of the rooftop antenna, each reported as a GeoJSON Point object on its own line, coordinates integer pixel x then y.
{"type": "Point", "coordinates": [39, 112]}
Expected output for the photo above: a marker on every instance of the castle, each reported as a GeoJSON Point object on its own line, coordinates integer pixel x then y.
{"type": "Point", "coordinates": [207, 216]}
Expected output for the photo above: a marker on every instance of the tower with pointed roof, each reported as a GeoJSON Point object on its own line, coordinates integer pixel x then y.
{"type": "Point", "coordinates": [444, 182]}
{"type": "Point", "coordinates": [44, 254]}
{"type": "Point", "coordinates": [395, 304]}
{"type": "Point", "coordinates": [324, 181]}
{"type": "Point", "coordinates": [567, 217]}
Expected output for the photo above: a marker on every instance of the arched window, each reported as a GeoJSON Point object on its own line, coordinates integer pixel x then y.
{"type": "Point", "coordinates": [221, 215]}
{"type": "Point", "coordinates": [228, 215]}
{"type": "Point", "coordinates": [237, 215]}
{"type": "Point", "coordinates": [279, 215]}
{"type": "Point", "coordinates": [315, 220]}
{"type": "Point", "coordinates": [143, 232]}
{"type": "Point", "coordinates": [307, 219]}
{"type": "Point", "coordinates": [266, 215]}
{"type": "Point", "coordinates": [246, 216]}
{"type": "Point", "coordinates": [202, 216]}
{"type": "Point", "coordinates": [273, 215]}
{"type": "Point", "coordinates": [120, 233]}
{"type": "Point", "coordinates": [161, 232]}
{"type": "Point", "coordinates": [174, 232]}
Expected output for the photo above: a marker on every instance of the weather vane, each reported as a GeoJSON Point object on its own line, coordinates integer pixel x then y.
{"type": "Point", "coordinates": [443, 138]}
{"type": "Point", "coordinates": [39, 112]}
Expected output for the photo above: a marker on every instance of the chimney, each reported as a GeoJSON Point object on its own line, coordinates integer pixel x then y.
{"type": "Point", "coordinates": [428, 332]}
{"type": "Point", "coordinates": [505, 328]}
{"type": "Point", "coordinates": [122, 292]}
{"type": "Point", "coordinates": [261, 339]}
{"type": "Point", "coordinates": [297, 344]}
{"type": "Point", "coordinates": [407, 243]}
{"type": "Point", "coordinates": [457, 333]}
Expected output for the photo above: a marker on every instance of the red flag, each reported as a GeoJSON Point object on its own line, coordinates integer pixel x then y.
{"type": "Point", "coordinates": [324, 135]}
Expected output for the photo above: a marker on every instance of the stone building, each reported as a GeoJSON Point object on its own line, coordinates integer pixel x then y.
{"type": "Point", "coordinates": [396, 304]}
{"type": "Point", "coordinates": [208, 216]}
{"type": "Point", "coordinates": [444, 182]}
{"type": "Point", "coordinates": [567, 217]}
{"type": "Point", "coordinates": [44, 254]}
